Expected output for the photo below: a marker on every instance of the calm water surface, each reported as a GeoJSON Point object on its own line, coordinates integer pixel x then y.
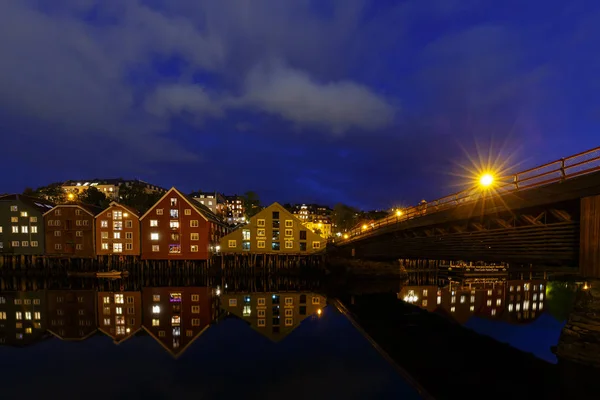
{"type": "Point", "coordinates": [162, 338]}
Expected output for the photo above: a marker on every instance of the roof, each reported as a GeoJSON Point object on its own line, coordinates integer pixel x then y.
{"type": "Point", "coordinates": [128, 208]}
{"type": "Point", "coordinates": [203, 210]}
{"type": "Point", "coordinates": [92, 210]}
{"type": "Point", "coordinates": [41, 204]}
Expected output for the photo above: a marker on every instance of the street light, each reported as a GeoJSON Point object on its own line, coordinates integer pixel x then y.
{"type": "Point", "coordinates": [398, 213]}
{"type": "Point", "coordinates": [486, 180]}
{"type": "Point", "coordinates": [70, 196]}
{"type": "Point", "coordinates": [365, 227]}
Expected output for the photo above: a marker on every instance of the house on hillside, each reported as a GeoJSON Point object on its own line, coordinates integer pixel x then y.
{"type": "Point", "coordinates": [273, 230]}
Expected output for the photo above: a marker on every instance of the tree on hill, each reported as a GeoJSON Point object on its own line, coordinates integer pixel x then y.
{"type": "Point", "coordinates": [135, 196]}
{"type": "Point", "coordinates": [344, 217]}
{"type": "Point", "coordinates": [94, 197]}
{"type": "Point", "coordinates": [53, 192]}
{"type": "Point", "coordinates": [251, 204]}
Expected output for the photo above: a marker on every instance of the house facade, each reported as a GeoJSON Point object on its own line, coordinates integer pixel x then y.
{"type": "Point", "coordinates": [274, 230]}
{"type": "Point", "coordinates": [179, 228]}
{"type": "Point", "coordinates": [119, 314]}
{"type": "Point", "coordinates": [117, 231]}
{"type": "Point", "coordinates": [176, 316]}
{"type": "Point", "coordinates": [69, 230]}
{"type": "Point", "coordinates": [214, 201]}
{"type": "Point", "coordinates": [22, 224]}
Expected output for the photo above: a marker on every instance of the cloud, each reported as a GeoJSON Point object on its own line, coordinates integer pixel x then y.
{"type": "Point", "coordinates": [168, 100]}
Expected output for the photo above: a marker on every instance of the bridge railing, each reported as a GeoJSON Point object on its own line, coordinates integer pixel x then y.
{"type": "Point", "coordinates": [566, 168]}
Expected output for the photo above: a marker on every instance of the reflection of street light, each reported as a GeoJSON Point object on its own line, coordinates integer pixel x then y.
{"type": "Point", "coordinates": [486, 180]}
{"type": "Point", "coordinates": [364, 227]}
{"type": "Point", "coordinates": [346, 236]}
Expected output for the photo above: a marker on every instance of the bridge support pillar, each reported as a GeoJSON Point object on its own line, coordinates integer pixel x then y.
{"type": "Point", "coordinates": [589, 244]}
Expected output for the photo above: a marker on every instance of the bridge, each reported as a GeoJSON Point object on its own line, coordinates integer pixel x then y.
{"type": "Point", "coordinates": [545, 216]}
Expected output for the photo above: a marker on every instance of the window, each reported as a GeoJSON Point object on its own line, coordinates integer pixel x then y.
{"type": "Point", "coordinates": [106, 321]}
{"type": "Point", "coordinates": [195, 322]}
{"type": "Point", "coordinates": [302, 235]}
{"type": "Point", "coordinates": [245, 234]}
{"type": "Point", "coordinates": [24, 243]}
{"type": "Point", "coordinates": [275, 246]}
{"type": "Point", "coordinates": [174, 224]}
{"type": "Point", "coordinates": [289, 232]}
{"type": "Point", "coordinates": [153, 222]}
{"type": "Point", "coordinates": [174, 249]}
{"type": "Point", "coordinates": [155, 322]}
{"type": "Point", "coordinates": [260, 244]}
{"type": "Point", "coordinates": [155, 248]}
{"type": "Point", "coordinates": [499, 302]}
{"type": "Point", "coordinates": [19, 315]}
{"type": "Point", "coordinates": [118, 215]}
{"type": "Point", "coordinates": [289, 244]}
{"type": "Point", "coordinates": [33, 219]}
{"type": "Point", "coordinates": [187, 211]}
{"type": "Point", "coordinates": [232, 243]}
{"type": "Point", "coordinates": [195, 309]}
{"type": "Point", "coordinates": [289, 223]}
{"type": "Point", "coordinates": [260, 222]}
{"type": "Point", "coordinates": [289, 301]}
{"type": "Point", "coordinates": [289, 321]}
{"type": "Point", "coordinates": [232, 302]}
{"type": "Point", "coordinates": [15, 229]}
{"type": "Point", "coordinates": [104, 246]}
{"type": "Point", "coordinates": [173, 201]}
{"type": "Point", "coordinates": [24, 229]}
{"type": "Point", "coordinates": [194, 248]}
{"type": "Point", "coordinates": [154, 236]}
{"type": "Point", "coordinates": [78, 247]}
{"type": "Point", "coordinates": [275, 214]}
{"type": "Point", "coordinates": [33, 229]}
{"type": "Point", "coordinates": [194, 223]}
{"type": "Point", "coordinates": [316, 245]}
{"type": "Point", "coordinates": [116, 235]}
{"type": "Point", "coordinates": [79, 233]}
{"type": "Point", "coordinates": [118, 247]}
{"type": "Point", "coordinates": [15, 243]}
{"type": "Point", "coordinates": [78, 222]}
{"type": "Point", "coordinates": [275, 234]}
{"type": "Point", "coordinates": [159, 211]}
{"type": "Point", "coordinates": [118, 225]}
{"type": "Point", "coordinates": [261, 322]}
{"type": "Point", "coordinates": [14, 220]}
{"type": "Point", "coordinates": [260, 232]}
{"type": "Point", "coordinates": [57, 211]}
{"type": "Point", "coordinates": [56, 233]}
{"type": "Point", "coordinates": [128, 235]}
{"type": "Point", "coordinates": [302, 246]}
{"type": "Point", "coordinates": [58, 246]}
{"type": "Point", "coordinates": [77, 212]}
{"type": "Point", "coordinates": [316, 300]}
{"type": "Point", "coordinates": [118, 310]}
{"type": "Point", "coordinates": [34, 243]}
{"type": "Point", "coordinates": [174, 213]}
{"type": "Point", "coordinates": [128, 224]}
{"type": "Point", "coordinates": [194, 236]}
{"type": "Point", "coordinates": [14, 208]}
{"type": "Point", "coordinates": [104, 223]}
{"type": "Point", "coordinates": [24, 214]}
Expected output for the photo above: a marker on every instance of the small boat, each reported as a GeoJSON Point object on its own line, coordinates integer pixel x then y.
{"type": "Point", "coordinates": [112, 274]}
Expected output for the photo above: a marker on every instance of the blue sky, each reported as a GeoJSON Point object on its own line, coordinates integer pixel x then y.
{"type": "Point", "coordinates": [369, 103]}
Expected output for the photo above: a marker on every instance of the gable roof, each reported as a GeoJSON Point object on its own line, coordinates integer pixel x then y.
{"type": "Point", "coordinates": [88, 208]}
{"type": "Point", "coordinates": [202, 210]}
{"type": "Point", "coordinates": [116, 204]}
{"type": "Point", "coordinates": [40, 204]}
{"type": "Point", "coordinates": [176, 353]}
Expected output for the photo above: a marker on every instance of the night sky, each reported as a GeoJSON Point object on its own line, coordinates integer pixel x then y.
{"type": "Point", "coordinates": [371, 103]}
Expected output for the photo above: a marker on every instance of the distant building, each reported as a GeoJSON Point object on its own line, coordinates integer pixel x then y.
{"type": "Point", "coordinates": [214, 201]}
{"type": "Point", "coordinates": [179, 228]}
{"type": "Point", "coordinates": [274, 315]}
{"type": "Point", "coordinates": [273, 230]}
{"type": "Point", "coordinates": [72, 313]}
{"type": "Point", "coordinates": [176, 316]}
{"type": "Point", "coordinates": [236, 212]}
{"type": "Point", "coordinates": [69, 230]}
{"type": "Point", "coordinates": [310, 212]}
{"type": "Point", "coordinates": [118, 231]}
{"type": "Point", "coordinates": [110, 187]}
{"type": "Point", "coordinates": [22, 317]}
{"type": "Point", "coordinates": [22, 224]}
{"type": "Point", "coordinates": [119, 314]}
{"type": "Point", "coordinates": [322, 227]}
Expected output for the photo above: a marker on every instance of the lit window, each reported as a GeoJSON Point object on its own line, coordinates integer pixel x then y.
{"type": "Point", "coordinates": [104, 224]}
{"type": "Point", "coordinates": [159, 211]}
{"type": "Point", "coordinates": [116, 235]}
{"type": "Point", "coordinates": [154, 236]}
{"type": "Point", "coordinates": [19, 315]}
{"type": "Point", "coordinates": [489, 302]}
{"type": "Point", "coordinates": [535, 296]}
{"type": "Point", "coordinates": [260, 244]}
{"type": "Point", "coordinates": [106, 300]}
{"type": "Point", "coordinates": [232, 243]}
{"type": "Point", "coordinates": [194, 223]}
{"type": "Point", "coordinates": [156, 309]}
{"type": "Point", "coordinates": [24, 214]}
{"type": "Point", "coordinates": [119, 299]}
{"type": "Point", "coordinates": [155, 248]}
{"type": "Point", "coordinates": [489, 292]}
{"type": "Point", "coordinates": [452, 309]}
{"type": "Point", "coordinates": [289, 232]}
{"type": "Point", "coordinates": [439, 299]}
{"type": "Point", "coordinates": [188, 211]}
{"type": "Point", "coordinates": [462, 299]}
{"type": "Point", "coordinates": [78, 247]}
{"type": "Point", "coordinates": [453, 299]}
{"type": "Point", "coordinates": [155, 322]}
{"type": "Point", "coordinates": [156, 297]}
{"type": "Point", "coordinates": [232, 302]}
{"type": "Point", "coordinates": [472, 308]}
{"type": "Point", "coordinates": [493, 311]}
{"type": "Point", "coordinates": [260, 222]}
{"type": "Point", "coordinates": [174, 249]}
{"type": "Point", "coordinates": [118, 225]}
{"type": "Point", "coordinates": [118, 247]}
{"type": "Point", "coordinates": [118, 215]}
{"type": "Point", "coordinates": [14, 208]}
{"type": "Point", "coordinates": [289, 244]}
{"type": "Point", "coordinates": [15, 229]}
{"type": "Point", "coordinates": [153, 222]}
{"type": "Point", "coordinates": [79, 233]}
{"type": "Point", "coordinates": [316, 300]}
{"type": "Point", "coordinates": [541, 296]}
{"type": "Point", "coordinates": [174, 224]}
{"type": "Point", "coordinates": [37, 315]}
{"type": "Point", "coordinates": [24, 229]}
{"type": "Point", "coordinates": [260, 232]}
{"type": "Point", "coordinates": [194, 248]}
{"type": "Point", "coordinates": [510, 307]}
{"type": "Point", "coordinates": [118, 310]}
{"type": "Point", "coordinates": [28, 315]}
{"type": "Point", "coordinates": [173, 201]}
{"type": "Point", "coordinates": [104, 246]}
{"type": "Point", "coordinates": [174, 213]}
{"type": "Point", "coordinates": [289, 223]}
{"type": "Point", "coordinates": [14, 220]}
{"type": "Point", "coordinates": [106, 321]}
{"type": "Point", "coordinates": [499, 302]}
{"type": "Point", "coordinates": [424, 303]}
{"type": "Point", "coordinates": [316, 245]}
{"type": "Point", "coordinates": [472, 299]}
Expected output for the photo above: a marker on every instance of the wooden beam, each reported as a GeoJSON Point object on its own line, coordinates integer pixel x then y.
{"type": "Point", "coordinates": [478, 226]}
{"type": "Point", "coordinates": [562, 215]}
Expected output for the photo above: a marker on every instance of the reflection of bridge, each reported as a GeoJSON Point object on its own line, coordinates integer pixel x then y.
{"type": "Point", "coordinates": [548, 215]}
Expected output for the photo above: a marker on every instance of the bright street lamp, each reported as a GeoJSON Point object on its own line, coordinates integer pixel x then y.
{"type": "Point", "coordinates": [486, 180]}
{"type": "Point", "coordinates": [398, 213]}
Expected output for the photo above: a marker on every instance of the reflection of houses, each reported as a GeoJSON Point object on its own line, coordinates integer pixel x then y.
{"type": "Point", "coordinates": [274, 315]}
{"type": "Point", "coordinates": [515, 300]}
{"type": "Point", "coordinates": [176, 316]}
{"type": "Point", "coordinates": [71, 313]}
{"type": "Point", "coordinates": [119, 314]}
{"type": "Point", "coordinates": [22, 317]}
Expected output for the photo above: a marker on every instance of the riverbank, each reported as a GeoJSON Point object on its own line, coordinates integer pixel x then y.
{"type": "Point", "coordinates": [580, 338]}
{"type": "Point", "coordinates": [364, 268]}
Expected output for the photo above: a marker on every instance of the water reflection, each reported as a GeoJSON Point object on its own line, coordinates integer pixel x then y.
{"type": "Point", "coordinates": [511, 300]}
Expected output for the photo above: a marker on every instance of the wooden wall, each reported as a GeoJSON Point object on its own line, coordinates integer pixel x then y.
{"type": "Point", "coordinates": [589, 250]}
